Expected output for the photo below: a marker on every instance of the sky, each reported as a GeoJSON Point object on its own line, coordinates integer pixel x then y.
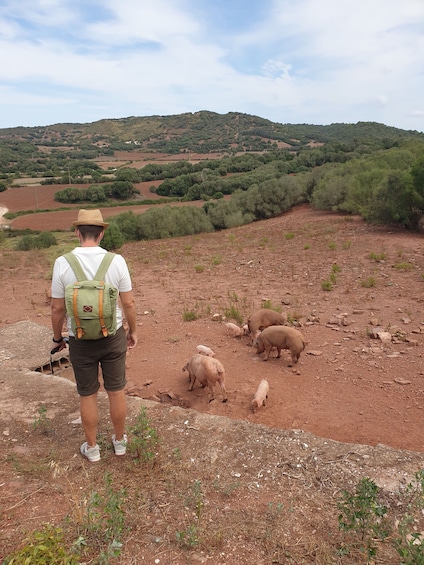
{"type": "Point", "coordinates": [289, 61]}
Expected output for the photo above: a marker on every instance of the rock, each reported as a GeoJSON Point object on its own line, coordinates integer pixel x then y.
{"type": "Point", "coordinates": [313, 352]}
{"type": "Point", "coordinates": [385, 337]}
{"type": "Point", "coordinates": [401, 381]}
{"type": "Point", "coordinates": [374, 332]}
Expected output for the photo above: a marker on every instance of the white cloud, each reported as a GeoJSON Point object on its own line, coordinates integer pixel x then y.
{"type": "Point", "coordinates": [315, 61]}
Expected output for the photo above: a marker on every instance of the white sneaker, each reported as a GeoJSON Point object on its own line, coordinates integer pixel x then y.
{"type": "Point", "coordinates": [92, 453]}
{"type": "Point", "coordinates": [120, 446]}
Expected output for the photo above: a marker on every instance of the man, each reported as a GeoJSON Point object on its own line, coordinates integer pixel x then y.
{"type": "Point", "coordinates": [108, 352]}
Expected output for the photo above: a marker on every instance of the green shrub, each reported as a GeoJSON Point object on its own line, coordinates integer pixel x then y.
{"type": "Point", "coordinates": [362, 514]}
{"type": "Point", "coordinates": [232, 313]}
{"type": "Point", "coordinates": [368, 282]}
{"type": "Point", "coordinates": [102, 527]}
{"type": "Point", "coordinates": [377, 257]}
{"type": "Point", "coordinates": [268, 304]}
{"type": "Point", "coordinates": [189, 316]}
{"type": "Point", "coordinates": [42, 241]}
{"type": "Point", "coordinates": [143, 438]}
{"type": "Point", "coordinates": [44, 547]}
{"type": "Point", "coordinates": [113, 238]}
{"type": "Point", "coordinates": [404, 266]}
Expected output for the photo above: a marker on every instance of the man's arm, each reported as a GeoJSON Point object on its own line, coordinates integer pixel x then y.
{"type": "Point", "coordinates": [128, 306]}
{"type": "Point", "coordinates": [58, 311]}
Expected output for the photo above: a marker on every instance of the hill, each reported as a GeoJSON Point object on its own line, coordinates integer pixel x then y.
{"type": "Point", "coordinates": [203, 132]}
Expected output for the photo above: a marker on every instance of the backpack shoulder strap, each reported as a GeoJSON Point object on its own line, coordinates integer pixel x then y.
{"type": "Point", "coordinates": [104, 266]}
{"type": "Point", "coordinates": [76, 266]}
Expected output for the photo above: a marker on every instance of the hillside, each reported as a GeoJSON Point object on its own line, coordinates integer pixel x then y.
{"type": "Point", "coordinates": [203, 132]}
{"type": "Point", "coordinates": [227, 485]}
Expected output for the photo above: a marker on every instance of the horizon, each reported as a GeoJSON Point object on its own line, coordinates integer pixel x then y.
{"type": "Point", "coordinates": [199, 111]}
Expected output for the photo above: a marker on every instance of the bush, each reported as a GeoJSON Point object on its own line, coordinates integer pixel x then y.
{"type": "Point", "coordinates": [42, 241]}
{"type": "Point", "coordinates": [113, 238]}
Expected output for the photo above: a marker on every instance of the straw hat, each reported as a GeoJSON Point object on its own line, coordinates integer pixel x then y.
{"type": "Point", "coordinates": [90, 218]}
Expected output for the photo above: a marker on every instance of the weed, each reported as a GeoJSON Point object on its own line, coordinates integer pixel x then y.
{"type": "Point", "coordinates": [289, 235]}
{"type": "Point", "coordinates": [263, 241]}
{"type": "Point", "coordinates": [377, 257]}
{"type": "Point", "coordinates": [335, 268]}
{"type": "Point", "coordinates": [42, 547]}
{"type": "Point", "coordinates": [333, 278]}
{"type": "Point", "coordinates": [173, 339]}
{"type": "Point", "coordinates": [189, 316]}
{"type": "Point", "coordinates": [404, 266]}
{"type": "Point", "coordinates": [274, 511]}
{"type": "Point", "coordinates": [42, 423]}
{"type": "Point", "coordinates": [103, 522]}
{"type": "Point", "coordinates": [369, 282]}
{"type": "Point", "coordinates": [327, 285]}
{"type": "Point", "coordinates": [293, 317]}
{"type": "Point", "coordinates": [228, 489]}
{"type": "Point", "coordinates": [409, 546]}
{"type": "Point", "coordinates": [144, 438]}
{"type": "Point", "coordinates": [332, 245]}
{"type": "Point", "coordinates": [216, 260]}
{"type": "Point", "coordinates": [232, 313]}
{"type": "Point", "coordinates": [362, 515]}
{"type": "Point", "coordinates": [307, 246]}
{"type": "Point", "coordinates": [347, 244]}
{"type": "Point", "coordinates": [266, 303]}
{"type": "Point", "coordinates": [177, 454]}
{"type": "Point", "coordinates": [189, 537]}
{"type": "Point", "coordinates": [199, 268]}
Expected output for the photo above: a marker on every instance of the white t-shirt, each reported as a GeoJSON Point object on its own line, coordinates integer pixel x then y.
{"type": "Point", "coordinates": [90, 259]}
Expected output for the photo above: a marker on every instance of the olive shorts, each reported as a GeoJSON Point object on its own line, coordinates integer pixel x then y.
{"type": "Point", "coordinates": [108, 353]}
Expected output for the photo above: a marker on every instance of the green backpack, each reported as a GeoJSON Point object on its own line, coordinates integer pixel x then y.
{"type": "Point", "coordinates": [91, 304]}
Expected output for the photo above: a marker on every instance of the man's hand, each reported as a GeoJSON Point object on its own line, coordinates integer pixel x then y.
{"type": "Point", "coordinates": [60, 346]}
{"type": "Point", "coordinates": [131, 340]}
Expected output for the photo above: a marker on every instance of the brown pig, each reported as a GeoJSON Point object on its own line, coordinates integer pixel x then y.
{"type": "Point", "coordinates": [208, 371]}
{"type": "Point", "coordinates": [263, 318]}
{"type": "Point", "coordinates": [281, 337]}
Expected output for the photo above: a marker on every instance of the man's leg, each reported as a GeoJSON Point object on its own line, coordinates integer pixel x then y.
{"type": "Point", "coordinates": [89, 418]}
{"type": "Point", "coordinates": [118, 412]}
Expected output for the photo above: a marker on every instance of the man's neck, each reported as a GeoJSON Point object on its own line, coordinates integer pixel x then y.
{"type": "Point", "coordinates": [89, 243]}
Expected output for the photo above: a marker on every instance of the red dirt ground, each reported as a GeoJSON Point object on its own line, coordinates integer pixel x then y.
{"type": "Point", "coordinates": [347, 385]}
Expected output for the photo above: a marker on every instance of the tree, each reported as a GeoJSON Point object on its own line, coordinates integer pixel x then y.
{"type": "Point", "coordinates": [122, 190]}
{"type": "Point", "coordinates": [113, 238]}
{"type": "Point", "coordinates": [95, 193]}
